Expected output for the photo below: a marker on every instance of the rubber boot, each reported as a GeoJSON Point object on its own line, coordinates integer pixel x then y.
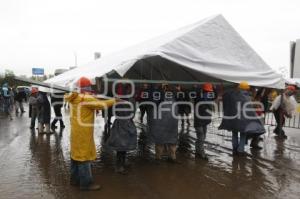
{"type": "Point", "coordinates": [53, 125]}
{"type": "Point", "coordinates": [254, 143]}
{"type": "Point", "coordinates": [62, 125]}
{"type": "Point", "coordinates": [40, 128]}
{"type": "Point", "coordinates": [92, 187]}
{"type": "Point", "coordinates": [47, 128]}
{"type": "Point", "coordinates": [120, 167]}
{"type": "Point", "coordinates": [159, 148]}
{"type": "Point", "coordinates": [172, 153]}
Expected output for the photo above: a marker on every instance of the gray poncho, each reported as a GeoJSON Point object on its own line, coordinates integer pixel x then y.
{"type": "Point", "coordinates": [163, 130]}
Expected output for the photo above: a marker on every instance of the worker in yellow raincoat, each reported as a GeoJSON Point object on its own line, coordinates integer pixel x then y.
{"type": "Point", "coordinates": [83, 150]}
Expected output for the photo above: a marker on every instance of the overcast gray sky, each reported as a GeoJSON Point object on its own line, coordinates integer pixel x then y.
{"type": "Point", "coordinates": [40, 33]}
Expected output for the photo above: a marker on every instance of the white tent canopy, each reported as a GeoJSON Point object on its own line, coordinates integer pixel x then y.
{"type": "Point", "coordinates": [209, 50]}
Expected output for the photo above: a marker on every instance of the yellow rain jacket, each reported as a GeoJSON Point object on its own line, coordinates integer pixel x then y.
{"type": "Point", "coordinates": [82, 114]}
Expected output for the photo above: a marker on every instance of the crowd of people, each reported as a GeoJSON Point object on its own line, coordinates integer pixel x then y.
{"type": "Point", "coordinates": [165, 106]}
{"type": "Point", "coordinates": [156, 102]}
{"type": "Point", "coordinates": [12, 98]}
{"type": "Point", "coordinates": [40, 109]}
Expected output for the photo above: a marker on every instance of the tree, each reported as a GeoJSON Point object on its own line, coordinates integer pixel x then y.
{"type": "Point", "coordinates": [9, 77]}
{"type": "Point", "coordinates": [9, 73]}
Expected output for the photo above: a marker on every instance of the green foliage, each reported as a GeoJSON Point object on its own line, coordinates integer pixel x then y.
{"type": "Point", "coordinates": [9, 77]}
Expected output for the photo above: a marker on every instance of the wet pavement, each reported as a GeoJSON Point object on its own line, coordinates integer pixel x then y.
{"type": "Point", "coordinates": [37, 166]}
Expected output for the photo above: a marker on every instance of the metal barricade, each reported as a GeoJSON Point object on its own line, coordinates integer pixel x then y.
{"type": "Point", "coordinates": [293, 122]}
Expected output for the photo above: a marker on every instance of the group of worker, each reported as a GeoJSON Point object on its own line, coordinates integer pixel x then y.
{"type": "Point", "coordinates": [40, 109]}
{"type": "Point", "coordinates": [12, 98]}
{"type": "Point", "coordinates": [162, 131]}
{"type": "Point", "coordinates": [157, 102]}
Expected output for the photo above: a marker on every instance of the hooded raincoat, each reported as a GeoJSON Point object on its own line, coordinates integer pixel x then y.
{"type": "Point", "coordinates": [82, 114]}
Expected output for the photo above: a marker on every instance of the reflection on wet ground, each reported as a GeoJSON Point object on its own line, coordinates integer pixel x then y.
{"type": "Point", "coordinates": [37, 166]}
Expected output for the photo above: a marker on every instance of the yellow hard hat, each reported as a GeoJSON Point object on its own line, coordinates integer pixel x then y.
{"type": "Point", "coordinates": [244, 85]}
{"type": "Point", "coordinates": [298, 109]}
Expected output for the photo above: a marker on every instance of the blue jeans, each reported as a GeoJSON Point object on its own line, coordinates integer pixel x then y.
{"type": "Point", "coordinates": [238, 145]}
{"type": "Point", "coordinates": [81, 173]}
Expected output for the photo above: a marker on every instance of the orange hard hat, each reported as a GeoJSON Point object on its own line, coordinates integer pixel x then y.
{"type": "Point", "coordinates": [208, 87]}
{"type": "Point", "coordinates": [291, 88]}
{"type": "Point", "coordinates": [83, 82]}
{"type": "Point", "coordinates": [34, 90]}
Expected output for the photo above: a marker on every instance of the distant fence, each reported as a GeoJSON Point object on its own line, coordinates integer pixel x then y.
{"type": "Point", "coordinates": [293, 122]}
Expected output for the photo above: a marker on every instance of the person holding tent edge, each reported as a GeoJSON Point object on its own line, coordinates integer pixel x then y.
{"type": "Point", "coordinates": [44, 111]}
{"type": "Point", "coordinates": [123, 135]}
{"type": "Point", "coordinates": [33, 107]}
{"type": "Point", "coordinates": [239, 117]}
{"type": "Point", "coordinates": [83, 150]}
{"type": "Point", "coordinates": [163, 128]}
{"type": "Point", "coordinates": [57, 102]}
{"type": "Point", "coordinates": [203, 117]}
{"type": "Point", "coordinates": [284, 105]}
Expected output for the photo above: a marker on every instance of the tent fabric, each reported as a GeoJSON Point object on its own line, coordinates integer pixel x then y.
{"type": "Point", "coordinates": [293, 81]}
{"type": "Point", "coordinates": [209, 48]}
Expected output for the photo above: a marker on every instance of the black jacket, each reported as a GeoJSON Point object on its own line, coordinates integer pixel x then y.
{"type": "Point", "coordinates": [20, 96]}
{"type": "Point", "coordinates": [57, 99]}
{"type": "Point", "coordinates": [235, 118]}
